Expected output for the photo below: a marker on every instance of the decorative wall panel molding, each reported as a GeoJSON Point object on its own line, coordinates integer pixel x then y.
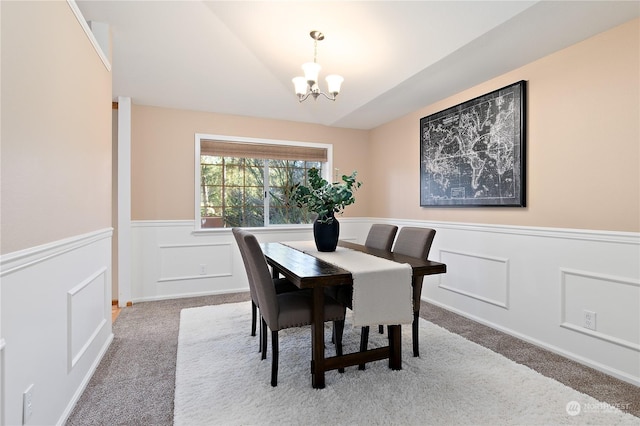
{"type": "Point", "coordinates": [195, 261]}
{"type": "Point", "coordinates": [587, 291]}
{"type": "Point", "coordinates": [85, 314]}
{"type": "Point", "coordinates": [480, 277]}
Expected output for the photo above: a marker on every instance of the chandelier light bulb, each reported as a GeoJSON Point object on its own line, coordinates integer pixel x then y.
{"type": "Point", "coordinates": [311, 72]}
{"type": "Point", "coordinates": [300, 85]}
{"type": "Point", "coordinates": [334, 82]}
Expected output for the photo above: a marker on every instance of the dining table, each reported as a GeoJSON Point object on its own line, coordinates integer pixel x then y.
{"type": "Point", "coordinates": [309, 272]}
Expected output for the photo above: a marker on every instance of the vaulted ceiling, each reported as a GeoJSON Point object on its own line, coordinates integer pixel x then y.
{"type": "Point", "coordinates": [238, 57]}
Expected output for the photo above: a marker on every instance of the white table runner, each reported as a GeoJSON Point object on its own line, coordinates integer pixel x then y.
{"type": "Point", "coordinates": [382, 291]}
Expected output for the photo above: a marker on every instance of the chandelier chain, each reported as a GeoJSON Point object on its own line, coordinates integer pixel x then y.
{"type": "Point", "coordinates": [315, 50]}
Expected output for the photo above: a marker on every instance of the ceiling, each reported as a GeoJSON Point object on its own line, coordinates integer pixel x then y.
{"type": "Point", "coordinates": [238, 57]}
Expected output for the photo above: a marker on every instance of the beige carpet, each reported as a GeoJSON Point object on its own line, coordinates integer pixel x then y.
{"type": "Point", "coordinates": [221, 380]}
{"type": "Point", "coordinates": [135, 381]}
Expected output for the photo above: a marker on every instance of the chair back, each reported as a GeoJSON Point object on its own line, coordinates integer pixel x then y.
{"type": "Point", "coordinates": [414, 242]}
{"type": "Point", "coordinates": [381, 236]}
{"type": "Point", "coordinates": [262, 281]}
{"type": "Point", "coordinates": [238, 234]}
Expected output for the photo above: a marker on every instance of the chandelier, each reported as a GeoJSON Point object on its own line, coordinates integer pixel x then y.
{"type": "Point", "coordinates": [308, 85]}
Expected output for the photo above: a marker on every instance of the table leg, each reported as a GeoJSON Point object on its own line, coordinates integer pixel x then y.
{"type": "Point", "coordinates": [395, 347]}
{"type": "Point", "coordinates": [414, 333]}
{"type": "Point", "coordinates": [317, 339]}
{"type": "Point", "coordinates": [416, 283]}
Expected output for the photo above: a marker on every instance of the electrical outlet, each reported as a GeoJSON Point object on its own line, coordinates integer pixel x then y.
{"type": "Point", "coordinates": [589, 320]}
{"type": "Point", "coordinates": [27, 404]}
{"type": "Point", "coordinates": [203, 269]}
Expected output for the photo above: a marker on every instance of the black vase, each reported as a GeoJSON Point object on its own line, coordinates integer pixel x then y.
{"type": "Point", "coordinates": [326, 235]}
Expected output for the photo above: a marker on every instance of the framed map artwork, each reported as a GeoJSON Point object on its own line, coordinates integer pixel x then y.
{"type": "Point", "coordinates": [473, 154]}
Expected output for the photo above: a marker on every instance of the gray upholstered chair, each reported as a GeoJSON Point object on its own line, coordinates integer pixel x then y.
{"type": "Point", "coordinates": [381, 236]}
{"type": "Point", "coordinates": [281, 285]}
{"type": "Point", "coordinates": [285, 310]}
{"type": "Point", "coordinates": [414, 242]}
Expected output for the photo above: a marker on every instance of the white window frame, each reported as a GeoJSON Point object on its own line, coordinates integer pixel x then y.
{"type": "Point", "coordinates": [326, 169]}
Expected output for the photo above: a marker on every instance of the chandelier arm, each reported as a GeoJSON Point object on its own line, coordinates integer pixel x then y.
{"type": "Point", "coordinates": [331, 98]}
{"type": "Point", "coordinates": [302, 98]}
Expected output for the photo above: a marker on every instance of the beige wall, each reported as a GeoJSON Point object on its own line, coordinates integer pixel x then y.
{"type": "Point", "coordinates": [583, 155]}
{"type": "Point", "coordinates": [582, 147]}
{"type": "Point", "coordinates": [56, 127]}
{"type": "Point", "coordinates": [163, 155]}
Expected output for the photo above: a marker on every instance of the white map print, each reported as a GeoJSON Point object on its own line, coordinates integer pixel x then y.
{"type": "Point", "coordinates": [469, 152]}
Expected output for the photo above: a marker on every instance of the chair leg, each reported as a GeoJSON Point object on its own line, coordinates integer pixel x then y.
{"type": "Point", "coordinates": [414, 334]}
{"type": "Point", "coordinates": [254, 320]}
{"type": "Point", "coordinates": [263, 334]}
{"type": "Point", "coordinates": [364, 341]}
{"type": "Point", "coordinates": [381, 329]}
{"type": "Point", "coordinates": [274, 361]}
{"type": "Point", "coordinates": [260, 338]}
{"type": "Point", "coordinates": [333, 333]}
{"type": "Point", "coordinates": [254, 310]}
{"type": "Point", "coordinates": [338, 330]}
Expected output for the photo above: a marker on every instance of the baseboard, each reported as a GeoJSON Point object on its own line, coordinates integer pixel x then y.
{"type": "Point", "coordinates": [85, 381]}
{"type": "Point", "coordinates": [187, 295]}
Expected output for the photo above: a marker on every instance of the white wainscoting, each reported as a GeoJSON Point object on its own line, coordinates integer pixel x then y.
{"type": "Point", "coordinates": [536, 283]}
{"type": "Point", "coordinates": [172, 260]}
{"type": "Point", "coordinates": [533, 283]}
{"type": "Point", "coordinates": [56, 323]}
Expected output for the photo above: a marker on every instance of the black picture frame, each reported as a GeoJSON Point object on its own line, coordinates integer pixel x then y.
{"type": "Point", "coordinates": [473, 154]}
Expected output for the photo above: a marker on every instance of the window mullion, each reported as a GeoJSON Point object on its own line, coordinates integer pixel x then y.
{"type": "Point", "coordinates": [266, 192]}
{"type": "Point", "coordinates": [224, 186]}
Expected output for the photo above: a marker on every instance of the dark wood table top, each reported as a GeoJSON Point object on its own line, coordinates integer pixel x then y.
{"type": "Point", "coordinates": [302, 269]}
{"type": "Point", "coordinates": [307, 271]}
{"type": "Point", "coordinates": [420, 267]}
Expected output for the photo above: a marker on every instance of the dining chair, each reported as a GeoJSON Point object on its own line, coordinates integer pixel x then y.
{"type": "Point", "coordinates": [285, 310]}
{"type": "Point", "coordinates": [414, 242]}
{"type": "Point", "coordinates": [381, 236]}
{"type": "Point", "coordinates": [281, 285]}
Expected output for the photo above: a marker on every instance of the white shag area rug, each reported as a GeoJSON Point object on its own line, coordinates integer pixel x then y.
{"type": "Point", "coordinates": [220, 380]}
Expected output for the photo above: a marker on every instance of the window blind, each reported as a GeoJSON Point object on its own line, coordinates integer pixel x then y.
{"type": "Point", "coordinates": [258, 150]}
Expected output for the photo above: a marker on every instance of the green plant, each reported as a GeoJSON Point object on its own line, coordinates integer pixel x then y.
{"type": "Point", "coordinates": [324, 198]}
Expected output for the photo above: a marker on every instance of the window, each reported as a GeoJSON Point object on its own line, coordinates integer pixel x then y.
{"type": "Point", "coordinates": [246, 182]}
